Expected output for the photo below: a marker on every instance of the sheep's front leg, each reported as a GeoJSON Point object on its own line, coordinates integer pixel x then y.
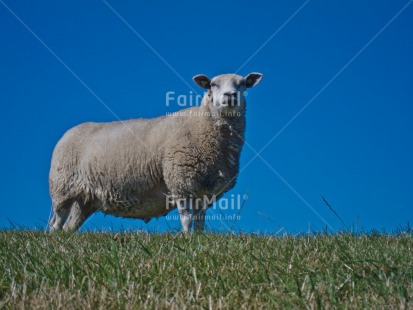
{"type": "Point", "coordinates": [185, 214]}
{"type": "Point", "coordinates": [199, 220]}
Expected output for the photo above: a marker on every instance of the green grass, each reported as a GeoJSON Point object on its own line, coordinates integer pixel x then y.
{"type": "Point", "coordinates": [140, 270]}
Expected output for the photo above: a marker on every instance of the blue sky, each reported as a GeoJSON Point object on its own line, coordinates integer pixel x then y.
{"type": "Point", "coordinates": [347, 63]}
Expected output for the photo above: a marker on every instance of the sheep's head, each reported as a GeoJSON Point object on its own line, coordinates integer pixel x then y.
{"type": "Point", "coordinates": [227, 91]}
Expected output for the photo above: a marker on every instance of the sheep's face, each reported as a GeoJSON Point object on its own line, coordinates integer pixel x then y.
{"type": "Point", "coordinates": [228, 91]}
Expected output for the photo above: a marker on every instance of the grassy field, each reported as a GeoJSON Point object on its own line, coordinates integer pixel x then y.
{"type": "Point", "coordinates": [140, 270]}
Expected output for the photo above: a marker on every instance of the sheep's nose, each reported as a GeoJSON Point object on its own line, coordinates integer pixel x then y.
{"type": "Point", "coordinates": [231, 93]}
{"type": "Point", "coordinates": [231, 97]}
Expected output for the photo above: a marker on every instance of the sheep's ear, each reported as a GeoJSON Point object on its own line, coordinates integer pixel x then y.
{"type": "Point", "coordinates": [202, 80]}
{"type": "Point", "coordinates": [252, 79]}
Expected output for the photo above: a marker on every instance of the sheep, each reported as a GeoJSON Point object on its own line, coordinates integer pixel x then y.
{"type": "Point", "coordinates": [144, 168]}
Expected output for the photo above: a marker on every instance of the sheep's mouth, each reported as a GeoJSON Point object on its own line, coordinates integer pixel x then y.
{"type": "Point", "coordinates": [230, 102]}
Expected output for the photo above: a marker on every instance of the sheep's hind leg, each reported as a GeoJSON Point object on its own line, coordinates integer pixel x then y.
{"type": "Point", "coordinates": [79, 212]}
{"type": "Point", "coordinates": [60, 216]}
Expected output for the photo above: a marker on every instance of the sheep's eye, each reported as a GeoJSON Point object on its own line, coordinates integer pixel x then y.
{"type": "Point", "coordinates": [214, 85]}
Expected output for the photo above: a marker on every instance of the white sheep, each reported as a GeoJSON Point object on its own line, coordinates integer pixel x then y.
{"type": "Point", "coordinates": [144, 168]}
